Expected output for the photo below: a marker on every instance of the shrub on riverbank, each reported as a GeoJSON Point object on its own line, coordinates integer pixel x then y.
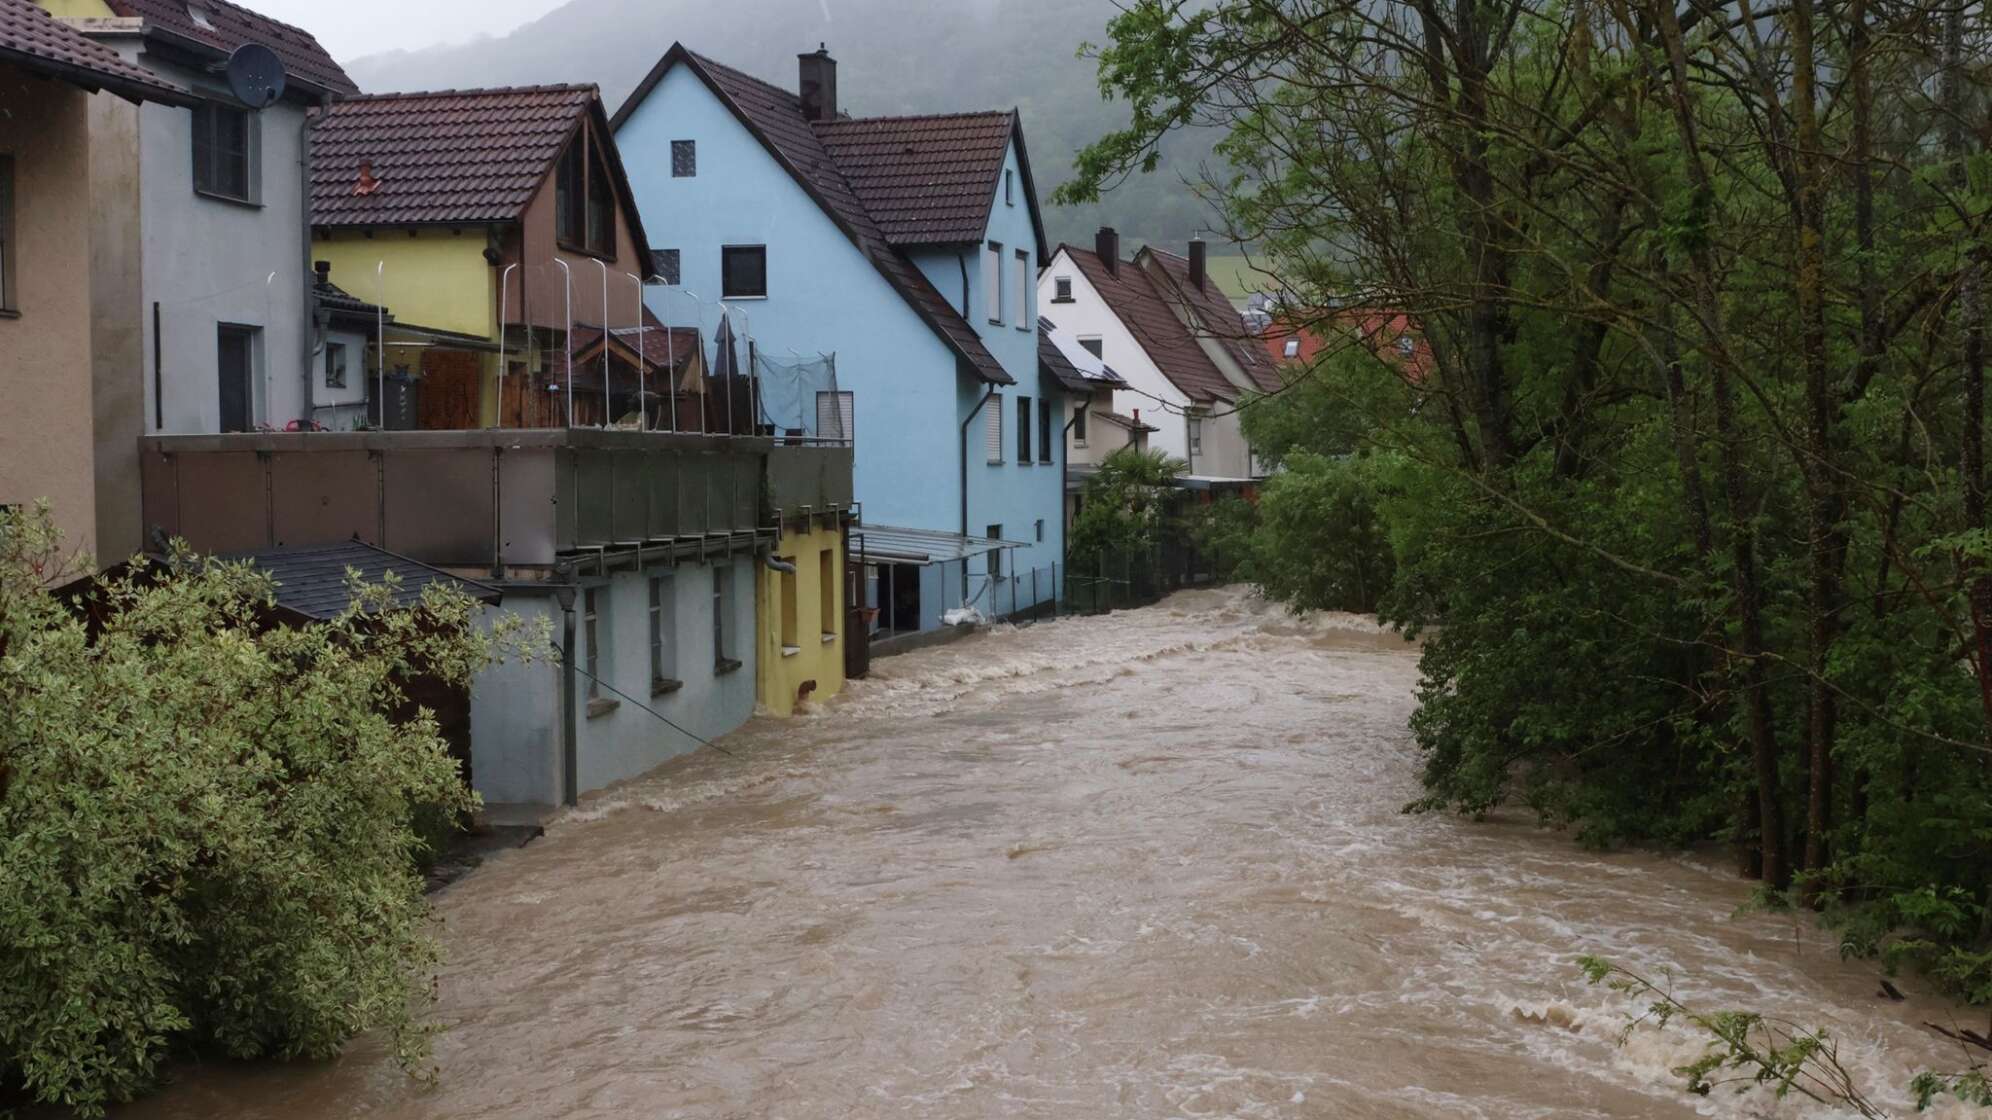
{"type": "Point", "coordinates": [206, 821]}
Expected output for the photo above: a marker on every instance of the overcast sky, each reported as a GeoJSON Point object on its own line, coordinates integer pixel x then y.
{"type": "Point", "coordinates": [353, 28]}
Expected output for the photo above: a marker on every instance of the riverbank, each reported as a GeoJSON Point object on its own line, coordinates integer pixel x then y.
{"type": "Point", "coordinates": [1144, 865]}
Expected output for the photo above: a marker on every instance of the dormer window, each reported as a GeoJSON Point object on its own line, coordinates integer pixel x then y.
{"type": "Point", "coordinates": [200, 17]}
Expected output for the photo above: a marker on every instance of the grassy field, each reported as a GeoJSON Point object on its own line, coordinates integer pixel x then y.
{"type": "Point", "coordinates": [1235, 277]}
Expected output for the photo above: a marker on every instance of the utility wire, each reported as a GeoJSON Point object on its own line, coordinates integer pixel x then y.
{"type": "Point", "coordinates": [661, 717]}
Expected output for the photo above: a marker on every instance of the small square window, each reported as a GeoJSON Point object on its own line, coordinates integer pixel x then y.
{"type": "Point", "coordinates": [1292, 348]}
{"type": "Point", "coordinates": [743, 271]}
{"type": "Point", "coordinates": [1092, 346]}
{"type": "Point", "coordinates": [684, 159]}
{"type": "Point", "coordinates": [664, 266]}
{"type": "Point", "coordinates": [1406, 345]}
{"type": "Point", "coordinates": [1062, 290]}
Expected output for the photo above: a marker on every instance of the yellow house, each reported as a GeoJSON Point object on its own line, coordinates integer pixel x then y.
{"type": "Point", "coordinates": [802, 600]}
{"type": "Point", "coordinates": [482, 258]}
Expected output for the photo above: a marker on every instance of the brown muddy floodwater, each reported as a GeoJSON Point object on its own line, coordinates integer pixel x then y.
{"type": "Point", "coordinates": [1146, 865]}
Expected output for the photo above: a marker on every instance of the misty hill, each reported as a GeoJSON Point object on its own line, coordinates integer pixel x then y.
{"type": "Point", "coordinates": [894, 56]}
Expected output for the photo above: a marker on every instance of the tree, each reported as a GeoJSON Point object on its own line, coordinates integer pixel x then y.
{"type": "Point", "coordinates": [206, 819]}
{"type": "Point", "coordinates": [1693, 487]}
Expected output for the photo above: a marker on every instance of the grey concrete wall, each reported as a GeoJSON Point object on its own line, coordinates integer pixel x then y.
{"type": "Point", "coordinates": [515, 709]}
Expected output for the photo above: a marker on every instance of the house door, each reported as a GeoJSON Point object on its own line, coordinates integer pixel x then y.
{"type": "Point", "coordinates": [234, 360]}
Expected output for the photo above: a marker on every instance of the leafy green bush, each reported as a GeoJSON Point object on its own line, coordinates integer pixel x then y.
{"type": "Point", "coordinates": [206, 834]}
{"type": "Point", "coordinates": [1321, 544]}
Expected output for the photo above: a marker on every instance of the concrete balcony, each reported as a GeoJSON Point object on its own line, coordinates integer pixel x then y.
{"type": "Point", "coordinates": [495, 500]}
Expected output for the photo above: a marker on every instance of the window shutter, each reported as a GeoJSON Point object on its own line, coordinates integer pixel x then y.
{"type": "Point", "coordinates": [995, 428]}
{"type": "Point", "coordinates": [834, 418]}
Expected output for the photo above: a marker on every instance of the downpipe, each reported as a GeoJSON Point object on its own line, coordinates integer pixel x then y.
{"type": "Point", "coordinates": [569, 726]}
{"type": "Point", "coordinates": [964, 488]}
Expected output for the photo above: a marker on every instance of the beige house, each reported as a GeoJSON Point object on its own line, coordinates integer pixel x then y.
{"type": "Point", "coordinates": [49, 431]}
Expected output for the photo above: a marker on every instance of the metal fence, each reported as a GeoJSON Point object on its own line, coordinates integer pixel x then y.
{"type": "Point", "coordinates": [1116, 579]}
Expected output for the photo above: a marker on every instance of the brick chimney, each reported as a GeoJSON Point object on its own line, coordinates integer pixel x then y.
{"type": "Point", "coordinates": [817, 84]}
{"type": "Point", "coordinates": [1106, 244]}
{"type": "Point", "coordinates": [1197, 261]}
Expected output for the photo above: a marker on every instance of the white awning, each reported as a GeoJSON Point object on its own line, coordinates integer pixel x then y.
{"type": "Point", "coordinates": [887, 544]}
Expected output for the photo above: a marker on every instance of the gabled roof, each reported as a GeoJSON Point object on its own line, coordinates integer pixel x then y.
{"type": "Point", "coordinates": [451, 156]}
{"type": "Point", "coordinates": [312, 581]}
{"type": "Point", "coordinates": [1130, 293]}
{"type": "Point", "coordinates": [929, 180]}
{"type": "Point", "coordinates": [773, 116]}
{"type": "Point", "coordinates": [223, 26]}
{"type": "Point", "coordinates": [1217, 320]}
{"type": "Point", "coordinates": [34, 40]}
{"type": "Point", "coordinates": [658, 344]}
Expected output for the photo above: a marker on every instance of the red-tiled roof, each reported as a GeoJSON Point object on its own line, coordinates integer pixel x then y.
{"type": "Point", "coordinates": [228, 26]}
{"type": "Point", "coordinates": [925, 180]}
{"type": "Point", "coordinates": [1217, 320]}
{"type": "Point", "coordinates": [35, 40]}
{"type": "Point", "coordinates": [1381, 330]}
{"type": "Point", "coordinates": [1132, 296]}
{"type": "Point", "coordinates": [775, 116]}
{"type": "Point", "coordinates": [473, 155]}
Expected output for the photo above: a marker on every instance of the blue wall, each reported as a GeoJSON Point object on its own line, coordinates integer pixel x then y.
{"type": "Point", "coordinates": [825, 297]}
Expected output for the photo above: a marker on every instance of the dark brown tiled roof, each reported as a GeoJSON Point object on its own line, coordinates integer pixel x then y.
{"type": "Point", "coordinates": [925, 180]}
{"type": "Point", "coordinates": [312, 581]}
{"type": "Point", "coordinates": [472, 155]}
{"type": "Point", "coordinates": [1218, 320]}
{"type": "Point", "coordinates": [231, 25]}
{"type": "Point", "coordinates": [35, 40]}
{"type": "Point", "coordinates": [1133, 298]}
{"type": "Point", "coordinates": [775, 116]}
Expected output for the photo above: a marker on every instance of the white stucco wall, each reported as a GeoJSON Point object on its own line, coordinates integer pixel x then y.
{"type": "Point", "coordinates": [209, 261]}
{"type": "Point", "coordinates": [1089, 317]}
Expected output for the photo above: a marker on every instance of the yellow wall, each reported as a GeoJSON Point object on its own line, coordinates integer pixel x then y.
{"type": "Point", "coordinates": [78, 9]}
{"type": "Point", "coordinates": [782, 673]}
{"type": "Point", "coordinates": [434, 279]}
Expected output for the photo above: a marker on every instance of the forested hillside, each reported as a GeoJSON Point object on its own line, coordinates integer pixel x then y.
{"type": "Point", "coordinates": [895, 56]}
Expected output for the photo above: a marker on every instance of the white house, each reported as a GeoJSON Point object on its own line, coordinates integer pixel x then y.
{"type": "Point", "coordinates": [1186, 355]}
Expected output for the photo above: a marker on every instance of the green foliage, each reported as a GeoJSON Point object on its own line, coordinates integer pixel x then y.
{"type": "Point", "coordinates": [1321, 543]}
{"type": "Point", "coordinates": [206, 820]}
{"type": "Point", "coordinates": [1681, 511]}
{"type": "Point", "coordinates": [1122, 506]}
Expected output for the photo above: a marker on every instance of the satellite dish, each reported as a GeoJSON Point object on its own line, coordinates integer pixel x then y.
{"type": "Point", "coordinates": [255, 75]}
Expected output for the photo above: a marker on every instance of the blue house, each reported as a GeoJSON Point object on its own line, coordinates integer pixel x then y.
{"type": "Point", "coordinates": [906, 250]}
